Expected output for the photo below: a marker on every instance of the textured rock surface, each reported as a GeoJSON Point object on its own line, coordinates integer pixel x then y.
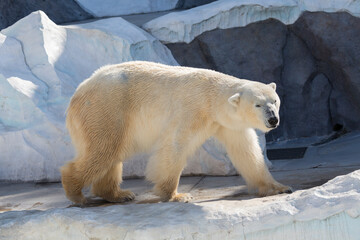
{"type": "Point", "coordinates": [313, 61]}
{"type": "Point", "coordinates": [333, 40]}
{"type": "Point", "coordinates": [58, 11]}
{"type": "Point", "coordinates": [186, 25]}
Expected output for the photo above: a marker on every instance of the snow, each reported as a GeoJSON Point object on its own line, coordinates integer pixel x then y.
{"type": "Point", "coordinates": [186, 25]}
{"type": "Point", "coordinates": [41, 65]}
{"type": "Point", "coordinates": [330, 211]}
{"type": "Point", "coordinates": [103, 8]}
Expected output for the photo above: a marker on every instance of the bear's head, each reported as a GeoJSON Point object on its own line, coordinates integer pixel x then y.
{"type": "Point", "coordinates": [256, 105]}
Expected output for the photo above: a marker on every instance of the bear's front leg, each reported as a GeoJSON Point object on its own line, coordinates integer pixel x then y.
{"type": "Point", "coordinates": [164, 169]}
{"type": "Point", "coordinates": [245, 153]}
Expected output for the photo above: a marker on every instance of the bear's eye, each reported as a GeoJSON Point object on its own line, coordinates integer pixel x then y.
{"type": "Point", "coordinates": [257, 105]}
{"type": "Point", "coordinates": [274, 101]}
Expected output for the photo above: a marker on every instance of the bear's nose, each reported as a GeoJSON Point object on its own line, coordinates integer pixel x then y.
{"type": "Point", "coordinates": [273, 121]}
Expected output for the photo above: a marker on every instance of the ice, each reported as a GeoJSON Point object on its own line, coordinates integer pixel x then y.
{"type": "Point", "coordinates": [186, 25]}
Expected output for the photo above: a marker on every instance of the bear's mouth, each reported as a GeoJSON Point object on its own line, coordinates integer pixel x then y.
{"type": "Point", "coordinates": [271, 126]}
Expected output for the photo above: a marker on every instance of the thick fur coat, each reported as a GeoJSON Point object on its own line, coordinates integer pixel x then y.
{"type": "Point", "coordinates": [169, 112]}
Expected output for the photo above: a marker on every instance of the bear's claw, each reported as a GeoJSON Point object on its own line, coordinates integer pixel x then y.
{"type": "Point", "coordinates": [289, 191]}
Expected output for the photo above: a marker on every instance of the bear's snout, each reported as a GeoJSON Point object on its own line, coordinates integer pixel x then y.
{"type": "Point", "coordinates": [273, 121]}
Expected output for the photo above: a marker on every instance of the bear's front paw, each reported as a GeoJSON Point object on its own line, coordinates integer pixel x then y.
{"type": "Point", "coordinates": [274, 189]}
{"type": "Point", "coordinates": [181, 197]}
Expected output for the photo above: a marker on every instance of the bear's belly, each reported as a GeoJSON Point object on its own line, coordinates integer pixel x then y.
{"type": "Point", "coordinates": [151, 129]}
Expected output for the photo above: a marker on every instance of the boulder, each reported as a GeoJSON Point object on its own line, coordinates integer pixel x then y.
{"type": "Point", "coordinates": [333, 40]}
{"type": "Point", "coordinates": [313, 61]}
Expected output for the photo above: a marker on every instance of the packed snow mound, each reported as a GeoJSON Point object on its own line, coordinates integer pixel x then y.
{"type": "Point", "coordinates": [101, 8]}
{"type": "Point", "coordinates": [331, 211]}
{"type": "Point", "coordinates": [41, 65]}
{"type": "Point", "coordinates": [186, 25]}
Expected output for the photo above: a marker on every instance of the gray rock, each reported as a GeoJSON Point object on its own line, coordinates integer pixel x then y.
{"type": "Point", "coordinates": [314, 63]}
{"type": "Point", "coordinates": [186, 4]}
{"type": "Point", "coordinates": [236, 51]}
{"type": "Point", "coordinates": [298, 93]}
{"type": "Point", "coordinates": [334, 40]}
{"type": "Point", "coordinates": [58, 11]}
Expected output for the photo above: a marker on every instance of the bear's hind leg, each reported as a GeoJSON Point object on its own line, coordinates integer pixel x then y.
{"type": "Point", "coordinates": [108, 187]}
{"type": "Point", "coordinates": [84, 171]}
{"type": "Point", "coordinates": [72, 182]}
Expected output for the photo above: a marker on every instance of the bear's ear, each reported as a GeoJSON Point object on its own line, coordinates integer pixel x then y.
{"type": "Point", "coordinates": [234, 99]}
{"type": "Point", "coordinates": [273, 85]}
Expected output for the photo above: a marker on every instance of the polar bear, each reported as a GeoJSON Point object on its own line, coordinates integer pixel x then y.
{"type": "Point", "coordinates": [168, 111]}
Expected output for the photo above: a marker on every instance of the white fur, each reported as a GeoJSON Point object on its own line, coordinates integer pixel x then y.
{"type": "Point", "coordinates": [167, 111]}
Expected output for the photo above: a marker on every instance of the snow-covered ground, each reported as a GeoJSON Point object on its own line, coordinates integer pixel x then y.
{"type": "Point", "coordinates": [184, 26]}
{"type": "Point", "coordinates": [220, 208]}
{"type": "Point", "coordinates": [331, 211]}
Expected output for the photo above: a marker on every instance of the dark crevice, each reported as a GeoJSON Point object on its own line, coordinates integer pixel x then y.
{"type": "Point", "coordinates": [207, 55]}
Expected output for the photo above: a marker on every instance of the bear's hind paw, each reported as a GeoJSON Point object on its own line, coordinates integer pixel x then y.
{"type": "Point", "coordinates": [181, 197]}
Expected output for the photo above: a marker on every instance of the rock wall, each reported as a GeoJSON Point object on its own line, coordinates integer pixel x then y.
{"type": "Point", "coordinates": [58, 11]}
{"type": "Point", "coordinates": [186, 4]}
{"type": "Point", "coordinates": [185, 26]}
{"type": "Point", "coordinates": [313, 61]}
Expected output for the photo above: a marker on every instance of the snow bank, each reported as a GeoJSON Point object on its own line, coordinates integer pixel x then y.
{"type": "Point", "coordinates": [186, 25]}
{"type": "Point", "coordinates": [101, 8]}
{"type": "Point", "coordinates": [331, 211]}
{"type": "Point", "coordinates": [41, 65]}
